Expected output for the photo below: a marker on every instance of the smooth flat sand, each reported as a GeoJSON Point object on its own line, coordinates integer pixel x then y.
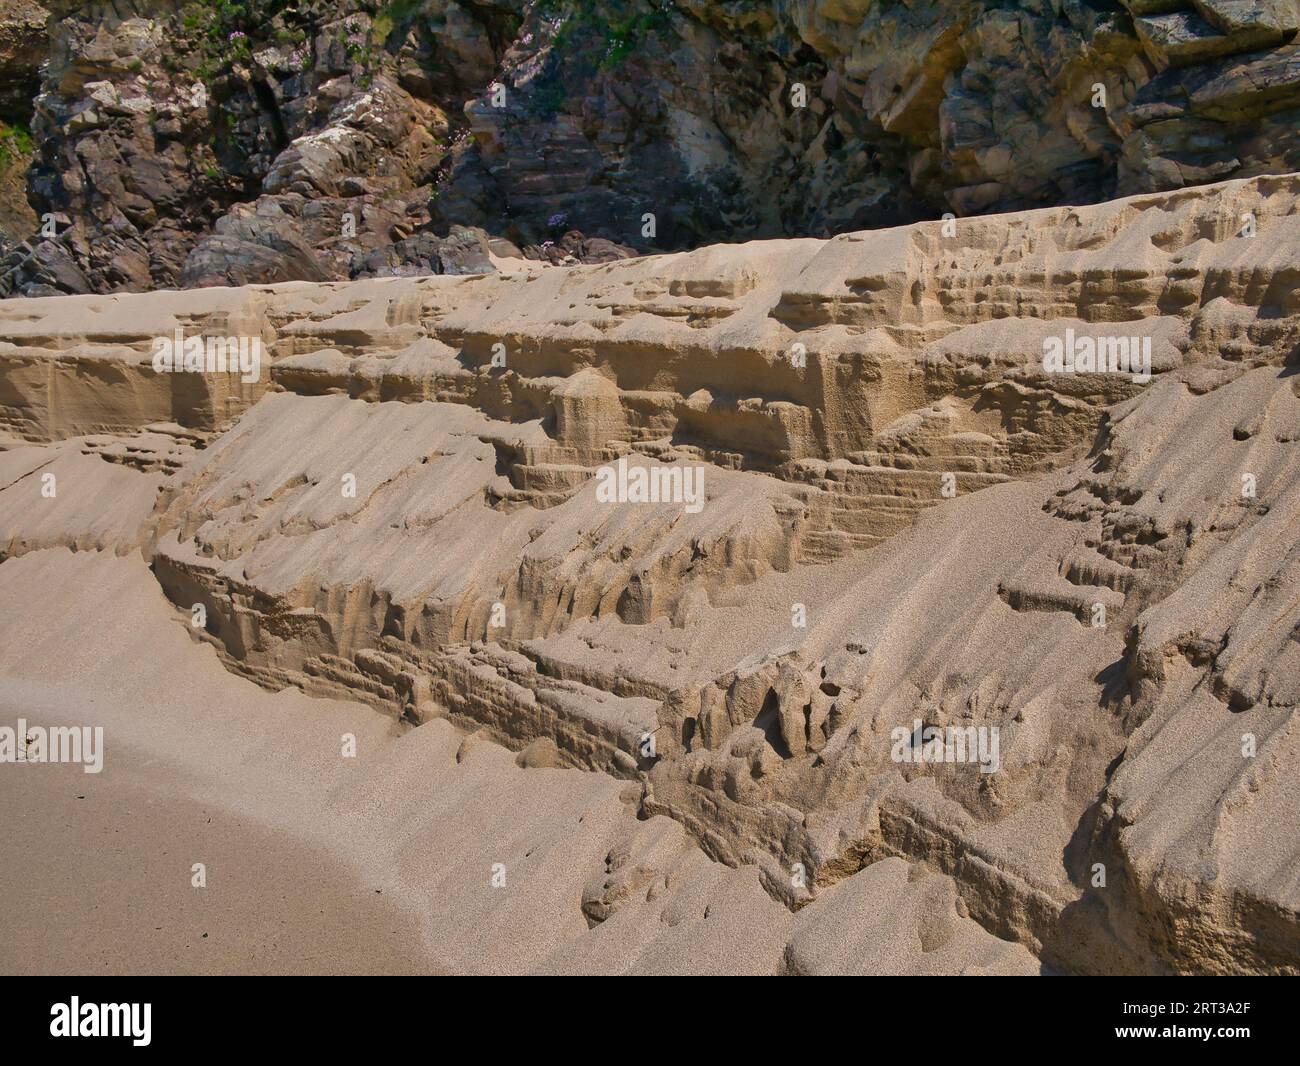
{"type": "Point", "coordinates": [96, 879]}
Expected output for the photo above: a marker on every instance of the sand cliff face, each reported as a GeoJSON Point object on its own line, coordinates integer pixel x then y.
{"type": "Point", "coordinates": [901, 516]}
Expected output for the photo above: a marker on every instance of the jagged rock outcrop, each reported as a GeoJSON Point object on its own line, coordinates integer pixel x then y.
{"type": "Point", "coordinates": [879, 509]}
{"type": "Point", "coordinates": [265, 141]}
{"type": "Point", "coordinates": [729, 121]}
{"type": "Point", "coordinates": [22, 48]}
{"type": "Point", "coordinates": [257, 143]}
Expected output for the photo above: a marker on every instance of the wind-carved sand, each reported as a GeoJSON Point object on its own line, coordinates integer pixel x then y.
{"type": "Point", "coordinates": [905, 519]}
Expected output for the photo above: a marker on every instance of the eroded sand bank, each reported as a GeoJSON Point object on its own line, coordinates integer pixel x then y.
{"type": "Point", "coordinates": [321, 863]}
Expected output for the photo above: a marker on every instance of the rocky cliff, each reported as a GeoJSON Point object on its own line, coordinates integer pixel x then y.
{"type": "Point", "coordinates": [905, 517]}
{"type": "Point", "coordinates": [257, 141]}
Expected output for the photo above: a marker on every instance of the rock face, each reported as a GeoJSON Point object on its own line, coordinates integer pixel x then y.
{"type": "Point", "coordinates": [742, 528]}
{"type": "Point", "coordinates": [267, 141]}
{"type": "Point", "coordinates": [22, 48]}
{"type": "Point", "coordinates": [260, 143]}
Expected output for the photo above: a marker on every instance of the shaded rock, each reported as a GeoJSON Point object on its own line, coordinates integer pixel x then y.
{"type": "Point", "coordinates": [1181, 38]}
{"type": "Point", "coordinates": [1201, 123]}
{"type": "Point", "coordinates": [253, 249]}
{"type": "Point", "coordinates": [23, 45]}
{"type": "Point", "coordinates": [464, 251]}
{"type": "Point", "coordinates": [573, 247]}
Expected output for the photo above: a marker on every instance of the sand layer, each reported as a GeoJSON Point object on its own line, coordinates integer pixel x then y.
{"type": "Point", "coordinates": [674, 724]}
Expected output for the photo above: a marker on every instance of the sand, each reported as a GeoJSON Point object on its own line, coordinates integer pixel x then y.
{"type": "Point", "coordinates": [631, 736]}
